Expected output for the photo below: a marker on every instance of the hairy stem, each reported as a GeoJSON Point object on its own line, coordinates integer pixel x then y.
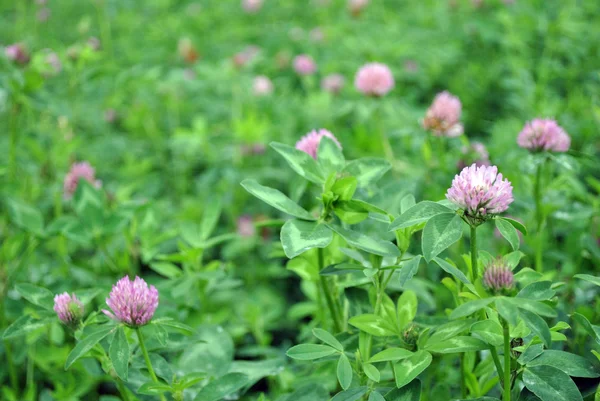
{"type": "Point", "coordinates": [328, 297]}
{"type": "Point", "coordinates": [473, 271]}
{"type": "Point", "coordinates": [140, 337]}
{"type": "Point", "coordinates": [507, 361]}
{"type": "Point", "coordinates": [499, 369]}
{"type": "Point", "coordinates": [539, 218]}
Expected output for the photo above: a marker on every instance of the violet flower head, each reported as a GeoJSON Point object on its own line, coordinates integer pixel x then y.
{"type": "Point", "coordinates": [262, 86]}
{"type": "Point", "coordinates": [245, 227]}
{"type": "Point", "coordinates": [79, 171]}
{"type": "Point", "coordinates": [252, 6]}
{"type": "Point", "coordinates": [132, 302]}
{"type": "Point", "coordinates": [333, 83]}
{"type": "Point", "coordinates": [374, 79]}
{"type": "Point", "coordinates": [544, 135]}
{"type": "Point", "coordinates": [443, 116]}
{"type": "Point", "coordinates": [18, 53]}
{"type": "Point", "coordinates": [68, 308]}
{"type": "Point", "coordinates": [498, 277]}
{"type": "Point", "coordinates": [480, 192]}
{"type": "Point", "coordinates": [309, 143]}
{"type": "Point", "coordinates": [304, 65]}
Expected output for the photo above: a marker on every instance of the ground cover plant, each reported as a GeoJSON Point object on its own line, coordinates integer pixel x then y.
{"type": "Point", "coordinates": [313, 200]}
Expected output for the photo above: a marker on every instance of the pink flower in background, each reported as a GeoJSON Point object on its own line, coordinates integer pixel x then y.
{"type": "Point", "coordinates": [132, 302]}
{"type": "Point", "coordinates": [474, 153]}
{"type": "Point", "coordinates": [544, 134]}
{"type": "Point", "coordinates": [282, 60]}
{"type": "Point", "coordinates": [245, 226]}
{"type": "Point", "coordinates": [253, 149]}
{"type": "Point", "coordinates": [110, 116]}
{"type": "Point", "coordinates": [309, 143]}
{"type": "Point", "coordinates": [411, 66]}
{"type": "Point", "coordinates": [316, 35]}
{"type": "Point", "coordinates": [68, 308]}
{"type": "Point", "coordinates": [498, 276]}
{"type": "Point", "coordinates": [53, 62]}
{"type": "Point", "coordinates": [94, 43]}
{"type": "Point", "coordinates": [443, 116]}
{"type": "Point", "coordinates": [333, 83]}
{"type": "Point", "coordinates": [43, 14]}
{"type": "Point", "coordinates": [262, 86]}
{"type": "Point", "coordinates": [480, 191]}
{"type": "Point", "coordinates": [41, 2]}
{"type": "Point", "coordinates": [79, 171]}
{"type": "Point", "coordinates": [374, 79]}
{"type": "Point", "coordinates": [18, 53]}
{"type": "Point", "coordinates": [357, 6]}
{"type": "Point", "coordinates": [187, 51]}
{"type": "Point", "coordinates": [246, 56]}
{"type": "Point", "coordinates": [304, 65]}
{"type": "Point", "coordinates": [252, 6]}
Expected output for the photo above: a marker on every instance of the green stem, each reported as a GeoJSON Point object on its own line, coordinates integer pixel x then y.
{"type": "Point", "coordinates": [539, 217]}
{"type": "Point", "coordinates": [463, 379]}
{"type": "Point", "coordinates": [13, 123]}
{"type": "Point", "coordinates": [12, 371]}
{"type": "Point", "coordinates": [474, 266]}
{"type": "Point", "coordinates": [328, 297]}
{"type": "Point", "coordinates": [507, 362]}
{"type": "Point", "coordinates": [30, 384]}
{"type": "Point", "coordinates": [138, 331]}
{"type": "Point", "coordinates": [122, 390]}
{"type": "Point", "coordinates": [496, 359]}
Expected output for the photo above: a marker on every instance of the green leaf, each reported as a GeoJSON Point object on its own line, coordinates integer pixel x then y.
{"type": "Point", "coordinates": [169, 270]}
{"type": "Point", "coordinates": [516, 224]}
{"type": "Point", "coordinates": [375, 396]}
{"type": "Point", "coordinates": [390, 354]}
{"type": "Point", "coordinates": [468, 308]}
{"type": "Point", "coordinates": [119, 353]}
{"type": "Point", "coordinates": [353, 394]}
{"type": "Point", "coordinates": [408, 369]}
{"type": "Point", "coordinates": [367, 170]}
{"type": "Point", "coordinates": [26, 217]}
{"type": "Point", "coordinates": [372, 324]}
{"type": "Point", "coordinates": [537, 325]}
{"type": "Point", "coordinates": [507, 310]}
{"type": "Point", "coordinates": [448, 268]}
{"type": "Point", "coordinates": [170, 323]}
{"type": "Point", "coordinates": [589, 278]}
{"type": "Point", "coordinates": [533, 306]}
{"type": "Point", "coordinates": [571, 364]}
{"type": "Point", "coordinates": [152, 388]}
{"type": "Point", "coordinates": [330, 156]}
{"type": "Point", "coordinates": [482, 399]}
{"type": "Point", "coordinates": [344, 188]}
{"type": "Point", "coordinates": [341, 268]}
{"type": "Point", "coordinates": [298, 236]}
{"type": "Point", "coordinates": [441, 231]}
{"type": "Point", "coordinates": [407, 308]}
{"type": "Point", "coordinates": [308, 352]}
{"type": "Point", "coordinates": [87, 343]}
{"type": "Point", "coordinates": [210, 218]}
{"type": "Point", "coordinates": [366, 243]}
{"type": "Point", "coordinates": [449, 330]}
{"type": "Point", "coordinates": [372, 372]}
{"type": "Point", "coordinates": [551, 384]}
{"type": "Point", "coordinates": [419, 213]}
{"type": "Point", "coordinates": [301, 162]}
{"type": "Point", "coordinates": [344, 372]}
{"type": "Point", "coordinates": [457, 344]}
{"type": "Point", "coordinates": [328, 338]}
{"type": "Point", "coordinates": [509, 232]}
{"type": "Point", "coordinates": [538, 291]}
{"type": "Point", "coordinates": [36, 295]}
{"type": "Point", "coordinates": [489, 331]}
{"type": "Point", "coordinates": [410, 392]}
{"type": "Point", "coordinates": [276, 199]}
{"type": "Point", "coordinates": [591, 329]}
{"type": "Point", "coordinates": [23, 325]}
{"type": "Point", "coordinates": [532, 352]}
{"type": "Point", "coordinates": [222, 387]}
{"type": "Point", "coordinates": [409, 269]}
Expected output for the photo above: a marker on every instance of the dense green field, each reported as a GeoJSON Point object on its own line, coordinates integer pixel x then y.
{"type": "Point", "coordinates": [163, 139]}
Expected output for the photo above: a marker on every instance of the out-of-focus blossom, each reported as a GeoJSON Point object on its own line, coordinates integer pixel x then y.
{"type": "Point", "coordinates": [262, 86]}
{"type": "Point", "coordinates": [252, 6]}
{"type": "Point", "coordinates": [411, 66]}
{"type": "Point", "coordinates": [333, 83]}
{"type": "Point", "coordinates": [474, 153]}
{"type": "Point", "coordinates": [189, 74]}
{"type": "Point", "coordinates": [187, 51]}
{"type": "Point", "coordinates": [94, 43]}
{"type": "Point", "coordinates": [443, 116]}
{"type": "Point", "coordinates": [316, 35]}
{"type": "Point", "coordinates": [79, 171]}
{"type": "Point", "coordinates": [41, 2]}
{"type": "Point", "coordinates": [43, 14]}
{"type": "Point", "coordinates": [282, 60]}
{"type": "Point", "coordinates": [477, 3]}
{"type": "Point", "coordinates": [53, 62]}
{"type": "Point", "coordinates": [68, 308]}
{"type": "Point", "coordinates": [309, 143]}
{"type": "Point", "coordinates": [17, 53]}
{"type": "Point", "coordinates": [356, 7]}
{"type": "Point", "coordinates": [246, 56]}
{"type": "Point", "coordinates": [132, 302]}
{"type": "Point", "coordinates": [374, 79]}
{"type": "Point", "coordinates": [304, 64]}
{"type": "Point", "coordinates": [245, 227]}
{"type": "Point", "coordinates": [110, 116]}
{"type": "Point", "coordinates": [498, 277]}
{"type": "Point", "coordinates": [480, 192]}
{"type": "Point", "coordinates": [253, 149]}
{"type": "Point", "coordinates": [544, 135]}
